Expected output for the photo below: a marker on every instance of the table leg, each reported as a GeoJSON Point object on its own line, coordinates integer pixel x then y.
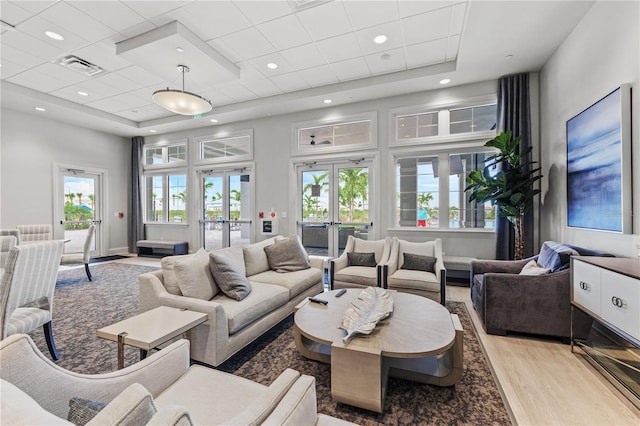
{"type": "Point", "coordinates": [121, 337]}
{"type": "Point", "coordinates": [143, 354]}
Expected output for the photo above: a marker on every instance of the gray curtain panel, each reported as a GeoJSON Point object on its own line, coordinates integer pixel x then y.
{"type": "Point", "coordinates": [136, 226]}
{"type": "Point", "coordinates": [514, 114]}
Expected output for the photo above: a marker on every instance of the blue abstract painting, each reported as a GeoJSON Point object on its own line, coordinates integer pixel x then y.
{"type": "Point", "coordinates": [594, 166]}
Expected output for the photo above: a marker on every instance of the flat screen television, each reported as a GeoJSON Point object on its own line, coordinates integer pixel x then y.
{"type": "Point", "coordinates": [599, 164]}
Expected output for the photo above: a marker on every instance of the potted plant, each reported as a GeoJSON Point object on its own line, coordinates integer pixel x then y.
{"type": "Point", "coordinates": [507, 181]}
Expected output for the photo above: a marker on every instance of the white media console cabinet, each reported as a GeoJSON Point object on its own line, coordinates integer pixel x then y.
{"type": "Point", "coordinates": [608, 290]}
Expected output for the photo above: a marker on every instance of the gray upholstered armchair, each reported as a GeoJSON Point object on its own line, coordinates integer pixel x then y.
{"type": "Point", "coordinates": [507, 301]}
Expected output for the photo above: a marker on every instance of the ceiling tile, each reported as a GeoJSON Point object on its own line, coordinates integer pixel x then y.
{"type": "Point", "coordinates": [351, 69]}
{"type": "Point", "coordinates": [35, 7]}
{"type": "Point", "coordinates": [216, 97]}
{"type": "Point", "coordinates": [113, 14]}
{"type": "Point", "coordinates": [151, 9]}
{"type": "Point", "coordinates": [61, 73]}
{"type": "Point", "coordinates": [119, 83]}
{"type": "Point", "coordinates": [363, 14]}
{"type": "Point", "coordinates": [290, 82]}
{"type": "Point", "coordinates": [70, 93]}
{"type": "Point", "coordinates": [261, 64]}
{"type": "Point", "coordinates": [262, 87]}
{"type": "Point", "coordinates": [9, 68]}
{"type": "Point", "coordinates": [247, 73]}
{"type": "Point", "coordinates": [216, 18]}
{"type": "Point", "coordinates": [137, 29]}
{"type": "Point", "coordinates": [453, 45]}
{"type": "Point", "coordinates": [284, 32]}
{"type": "Point", "coordinates": [225, 50]}
{"type": "Point", "coordinates": [324, 21]}
{"type": "Point", "coordinates": [319, 76]}
{"type": "Point", "coordinates": [18, 56]}
{"type": "Point", "coordinates": [410, 8]}
{"type": "Point", "coordinates": [238, 93]}
{"type": "Point", "coordinates": [139, 75]}
{"type": "Point", "coordinates": [393, 31]}
{"type": "Point", "coordinates": [36, 80]}
{"type": "Point", "coordinates": [428, 53]}
{"type": "Point", "coordinates": [249, 43]}
{"type": "Point", "coordinates": [457, 18]}
{"type": "Point", "coordinates": [80, 23]}
{"type": "Point", "coordinates": [340, 47]}
{"type": "Point", "coordinates": [30, 45]}
{"type": "Point", "coordinates": [110, 104]}
{"type": "Point", "coordinates": [95, 88]}
{"type": "Point", "coordinates": [379, 63]}
{"type": "Point", "coordinates": [37, 26]}
{"type": "Point", "coordinates": [305, 56]}
{"type": "Point", "coordinates": [261, 11]}
{"type": "Point", "coordinates": [427, 26]}
{"type": "Point", "coordinates": [12, 13]}
{"type": "Point", "coordinates": [103, 54]}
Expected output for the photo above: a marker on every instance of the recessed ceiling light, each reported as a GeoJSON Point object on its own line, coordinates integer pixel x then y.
{"type": "Point", "coordinates": [213, 120]}
{"type": "Point", "coordinates": [272, 65]}
{"type": "Point", "coordinates": [380, 39]}
{"type": "Point", "coordinates": [53, 35]}
{"type": "Point", "coordinates": [40, 109]}
{"type": "Point", "coordinates": [152, 131]}
{"type": "Point", "coordinates": [81, 93]}
{"type": "Point", "coordinates": [179, 49]}
{"type": "Point", "coordinates": [385, 56]}
{"type": "Point", "coordinates": [327, 101]}
{"type": "Point", "coordinates": [445, 81]}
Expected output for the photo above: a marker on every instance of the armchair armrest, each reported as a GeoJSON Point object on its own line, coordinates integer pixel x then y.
{"type": "Point", "coordinates": [317, 261]}
{"type": "Point", "coordinates": [52, 386]}
{"type": "Point", "coordinates": [480, 266]}
{"type": "Point", "coordinates": [298, 406]}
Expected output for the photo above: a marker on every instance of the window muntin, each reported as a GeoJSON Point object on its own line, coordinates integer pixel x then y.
{"type": "Point", "coordinates": [472, 119]}
{"type": "Point", "coordinates": [462, 213]}
{"type": "Point", "coordinates": [336, 135]}
{"type": "Point", "coordinates": [163, 155]}
{"type": "Point", "coordinates": [415, 126]}
{"type": "Point", "coordinates": [165, 197]}
{"type": "Point", "coordinates": [225, 147]}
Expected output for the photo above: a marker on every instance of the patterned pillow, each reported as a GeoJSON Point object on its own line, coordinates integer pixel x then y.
{"type": "Point", "coordinates": [287, 255]}
{"type": "Point", "coordinates": [555, 256]}
{"type": "Point", "coordinates": [81, 410]}
{"type": "Point", "coordinates": [230, 279]}
{"type": "Point", "coordinates": [418, 262]}
{"type": "Point", "coordinates": [362, 259]}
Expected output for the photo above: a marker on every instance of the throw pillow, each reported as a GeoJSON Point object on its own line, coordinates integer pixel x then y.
{"type": "Point", "coordinates": [194, 276]}
{"type": "Point", "coordinates": [532, 268]}
{"type": "Point", "coordinates": [255, 259]}
{"type": "Point", "coordinates": [232, 281]}
{"type": "Point", "coordinates": [287, 255]}
{"type": "Point", "coordinates": [133, 406]}
{"type": "Point", "coordinates": [81, 410]}
{"type": "Point", "coordinates": [362, 259]}
{"type": "Point", "coordinates": [417, 262]}
{"type": "Point", "coordinates": [555, 256]}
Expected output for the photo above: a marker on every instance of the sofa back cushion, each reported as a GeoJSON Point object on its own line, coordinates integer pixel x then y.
{"type": "Point", "coordinates": [194, 276]}
{"type": "Point", "coordinates": [18, 408]}
{"type": "Point", "coordinates": [287, 255]}
{"type": "Point", "coordinates": [255, 258]}
{"type": "Point", "coordinates": [365, 246]}
{"type": "Point", "coordinates": [555, 256]}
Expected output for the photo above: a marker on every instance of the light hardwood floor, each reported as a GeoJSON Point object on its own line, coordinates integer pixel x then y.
{"type": "Point", "coordinates": [542, 381]}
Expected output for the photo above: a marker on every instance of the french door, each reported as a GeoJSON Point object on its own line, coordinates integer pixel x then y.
{"type": "Point", "coordinates": [79, 205]}
{"type": "Point", "coordinates": [333, 204]}
{"type": "Point", "coordinates": [226, 208]}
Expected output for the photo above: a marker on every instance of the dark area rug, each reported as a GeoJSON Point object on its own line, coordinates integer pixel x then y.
{"type": "Point", "coordinates": [81, 307]}
{"type": "Point", "coordinates": [474, 400]}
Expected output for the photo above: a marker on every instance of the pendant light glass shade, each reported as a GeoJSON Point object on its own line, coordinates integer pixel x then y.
{"type": "Point", "coordinates": [181, 102]}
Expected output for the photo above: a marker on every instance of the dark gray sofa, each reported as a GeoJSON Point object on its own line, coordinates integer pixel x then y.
{"type": "Point", "coordinates": [508, 302]}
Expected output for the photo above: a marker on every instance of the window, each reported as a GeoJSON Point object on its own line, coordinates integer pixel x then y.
{"type": "Point", "coordinates": [472, 119]}
{"type": "Point", "coordinates": [166, 197]}
{"type": "Point", "coordinates": [226, 148]}
{"type": "Point", "coordinates": [417, 126]}
{"type": "Point", "coordinates": [417, 192]}
{"type": "Point", "coordinates": [170, 154]}
{"type": "Point", "coordinates": [462, 213]}
{"type": "Point", "coordinates": [347, 134]}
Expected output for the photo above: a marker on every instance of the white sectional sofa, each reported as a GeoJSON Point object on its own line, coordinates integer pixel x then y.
{"type": "Point", "coordinates": [277, 284]}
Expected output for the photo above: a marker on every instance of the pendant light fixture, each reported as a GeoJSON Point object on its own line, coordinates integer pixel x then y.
{"type": "Point", "coordinates": [180, 101]}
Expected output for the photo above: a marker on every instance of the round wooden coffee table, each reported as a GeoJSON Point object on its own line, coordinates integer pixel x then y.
{"type": "Point", "coordinates": [421, 341]}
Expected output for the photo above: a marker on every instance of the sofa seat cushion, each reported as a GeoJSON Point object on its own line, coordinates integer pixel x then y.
{"type": "Point", "coordinates": [362, 275]}
{"type": "Point", "coordinates": [263, 299]}
{"type": "Point", "coordinates": [210, 396]}
{"type": "Point", "coordinates": [296, 282]}
{"type": "Point", "coordinates": [412, 279]}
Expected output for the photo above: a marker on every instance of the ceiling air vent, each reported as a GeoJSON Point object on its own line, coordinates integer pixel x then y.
{"type": "Point", "coordinates": [80, 65]}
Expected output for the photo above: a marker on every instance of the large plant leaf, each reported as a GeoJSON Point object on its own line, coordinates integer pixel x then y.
{"type": "Point", "coordinates": [371, 306]}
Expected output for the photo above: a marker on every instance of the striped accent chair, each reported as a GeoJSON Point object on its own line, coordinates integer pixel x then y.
{"type": "Point", "coordinates": [26, 290]}
{"type": "Point", "coordinates": [30, 233]}
{"type": "Point", "coordinates": [6, 242]}
{"type": "Point", "coordinates": [9, 233]}
{"type": "Point", "coordinates": [71, 258]}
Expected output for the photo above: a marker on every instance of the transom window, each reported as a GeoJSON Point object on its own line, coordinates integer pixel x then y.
{"type": "Point", "coordinates": [225, 147]}
{"type": "Point", "coordinates": [417, 126]}
{"type": "Point", "coordinates": [169, 154]}
{"type": "Point", "coordinates": [473, 119]}
{"type": "Point", "coordinates": [347, 134]}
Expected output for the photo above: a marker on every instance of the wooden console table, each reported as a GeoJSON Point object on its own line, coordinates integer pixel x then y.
{"type": "Point", "coordinates": [608, 290]}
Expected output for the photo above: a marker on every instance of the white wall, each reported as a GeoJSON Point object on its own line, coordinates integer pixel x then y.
{"type": "Point", "coordinates": [601, 53]}
{"type": "Point", "coordinates": [31, 145]}
{"type": "Point", "coordinates": [273, 183]}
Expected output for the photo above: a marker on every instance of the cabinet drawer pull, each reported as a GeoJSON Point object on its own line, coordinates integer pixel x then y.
{"type": "Point", "coordinates": [585, 286]}
{"type": "Point", "coordinates": [618, 302]}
